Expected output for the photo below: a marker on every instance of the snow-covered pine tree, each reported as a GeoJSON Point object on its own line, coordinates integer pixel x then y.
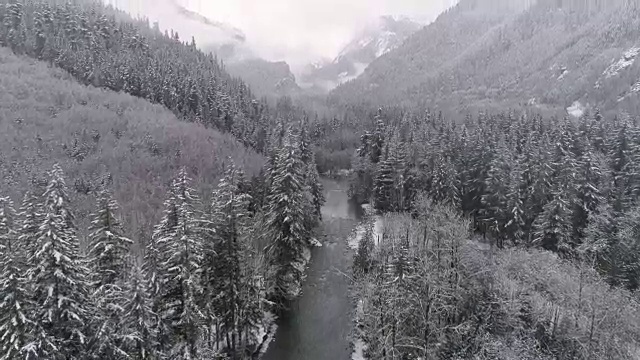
{"type": "Point", "coordinates": [383, 186]}
{"type": "Point", "coordinates": [286, 222]}
{"type": "Point", "coordinates": [179, 308]}
{"type": "Point", "coordinates": [138, 326]}
{"type": "Point", "coordinates": [230, 221]}
{"type": "Point", "coordinates": [363, 259]}
{"type": "Point", "coordinates": [315, 188]}
{"type": "Point", "coordinates": [153, 266]}
{"type": "Point", "coordinates": [377, 139]}
{"type": "Point", "coordinates": [108, 255]}
{"type": "Point", "coordinates": [625, 254]}
{"type": "Point", "coordinates": [588, 195]}
{"type": "Point", "coordinates": [14, 292]}
{"type": "Point", "coordinates": [494, 212]}
{"type": "Point", "coordinates": [552, 228]}
{"type": "Point", "coordinates": [30, 220]}
{"type": "Point", "coordinates": [515, 227]}
{"type": "Point", "coordinates": [59, 280]}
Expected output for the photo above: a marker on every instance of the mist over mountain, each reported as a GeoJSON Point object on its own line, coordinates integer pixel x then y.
{"type": "Point", "coordinates": [544, 55]}
{"type": "Point", "coordinates": [375, 40]}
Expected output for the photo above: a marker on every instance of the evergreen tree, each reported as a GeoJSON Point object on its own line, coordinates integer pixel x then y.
{"type": "Point", "coordinates": [515, 226]}
{"type": "Point", "coordinates": [363, 258]}
{"type": "Point", "coordinates": [108, 252]}
{"type": "Point", "coordinates": [230, 223]}
{"type": "Point", "coordinates": [58, 277]}
{"type": "Point", "coordinates": [138, 326]}
{"type": "Point", "coordinates": [588, 195]}
{"type": "Point", "coordinates": [180, 241]}
{"type": "Point", "coordinates": [552, 228]}
{"type": "Point", "coordinates": [14, 293]}
{"type": "Point", "coordinates": [286, 222]}
{"type": "Point", "coordinates": [315, 189]}
{"type": "Point", "coordinates": [625, 254]}
{"type": "Point", "coordinates": [383, 186]}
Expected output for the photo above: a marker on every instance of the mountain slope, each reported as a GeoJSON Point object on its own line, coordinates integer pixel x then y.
{"type": "Point", "coordinates": [99, 137]}
{"type": "Point", "coordinates": [107, 48]}
{"type": "Point", "coordinates": [377, 39]}
{"type": "Point", "coordinates": [269, 79]}
{"type": "Point", "coordinates": [548, 55]}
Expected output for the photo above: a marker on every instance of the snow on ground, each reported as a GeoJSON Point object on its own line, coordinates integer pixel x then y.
{"type": "Point", "coordinates": [266, 331]}
{"type": "Point", "coordinates": [358, 350]}
{"type": "Point", "coordinates": [576, 110]}
{"type": "Point", "coordinates": [359, 345]}
{"type": "Point", "coordinates": [564, 73]}
{"type": "Point", "coordinates": [356, 235]}
{"type": "Point", "coordinates": [358, 232]}
{"type": "Point", "coordinates": [627, 59]}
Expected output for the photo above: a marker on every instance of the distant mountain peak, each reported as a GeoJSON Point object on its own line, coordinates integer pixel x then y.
{"type": "Point", "coordinates": [374, 40]}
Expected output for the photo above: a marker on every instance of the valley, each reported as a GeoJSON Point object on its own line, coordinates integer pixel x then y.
{"type": "Point", "coordinates": [372, 180]}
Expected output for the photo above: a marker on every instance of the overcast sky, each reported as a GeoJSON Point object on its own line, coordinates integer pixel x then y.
{"type": "Point", "coordinates": [298, 31]}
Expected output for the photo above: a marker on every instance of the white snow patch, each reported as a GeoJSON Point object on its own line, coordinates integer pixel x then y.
{"type": "Point", "coordinates": [354, 238]}
{"type": "Point", "coordinates": [315, 242]}
{"type": "Point", "coordinates": [266, 331]}
{"type": "Point", "coordinates": [358, 350]}
{"type": "Point", "coordinates": [627, 59]}
{"type": "Point", "coordinates": [365, 42]}
{"type": "Point", "coordinates": [359, 345]}
{"type": "Point", "coordinates": [384, 43]}
{"type": "Point", "coordinates": [563, 73]}
{"type": "Point", "coordinates": [346, 77]}
{"type": "Point", "coordinates": [576, 110]}
{"type": "Point", "coordinates": [636, 87]}
{"type": "Point", "coordinates": [358, 232]}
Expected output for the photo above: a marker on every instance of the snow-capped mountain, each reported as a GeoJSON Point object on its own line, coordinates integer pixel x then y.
{"type": "Point", "coordinates": [375, 40]}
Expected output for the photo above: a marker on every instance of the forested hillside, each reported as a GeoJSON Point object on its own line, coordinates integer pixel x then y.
{"type": "Point", "coordinates": [486, 55]}
{"type": "Point", "coordinates": [138, 235]}
{"type": "Point", "coordinates": [106, 48]}
{"type": "Point", "coordinates": [102, 138]}
{"type": "Point", "coordinates": [428, 290]}
{"type": "Point", "coordinates": [570, 187]}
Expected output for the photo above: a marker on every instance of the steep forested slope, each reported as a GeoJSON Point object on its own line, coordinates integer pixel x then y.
{"type": "Point", "coordinates": [542, 55]}
{"type": "Point", "coordinates": [103, 47]}
{"type": "Point", "coordinates": [102, 138]}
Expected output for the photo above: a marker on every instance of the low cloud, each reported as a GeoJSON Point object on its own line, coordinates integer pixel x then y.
{"type": "Point", "coordinates": [298, 31]}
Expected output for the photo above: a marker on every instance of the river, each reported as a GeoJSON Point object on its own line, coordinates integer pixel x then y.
{"type": "Point", "coordinates": [319, 322]}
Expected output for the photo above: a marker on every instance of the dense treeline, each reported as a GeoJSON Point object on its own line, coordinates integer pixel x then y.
{"type": "Point", "coordinates": [566, 186]}
{"type": "Point", "coordinates": [104, 47]}
{"type": "Point", "coordinates": [101, 137]}
{"type": "Point", "coordinates": [201, 288]}
{"type": "Point", "coordinates": [429, 292]}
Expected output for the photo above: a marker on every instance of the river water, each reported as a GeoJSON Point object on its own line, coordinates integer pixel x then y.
{"type": "Point", "coordinates": [319, 322]}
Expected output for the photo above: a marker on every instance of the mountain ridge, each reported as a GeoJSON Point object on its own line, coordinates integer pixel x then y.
{"type": "Point", "coordinates": [528, 55]}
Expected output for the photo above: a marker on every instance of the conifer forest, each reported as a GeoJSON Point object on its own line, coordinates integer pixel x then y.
{"type": "Point", "coordinates": [462, 185]}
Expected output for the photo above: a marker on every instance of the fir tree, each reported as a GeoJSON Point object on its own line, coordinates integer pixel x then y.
{"type": "Point", "coordinates": [138, 328]}
{"type": "Point", "coordinates": [108, 252]}
{"type": "Point", "coordinates": [229, 217]}
{"type": "Point", "coordinates": [383, 186]}
{"type": "Point", "coordinates": [14, 293]}
{"type": "Point", "coordinates": [552, 228]}
{"type": "Point", "coordinates": [179, 309]}
{"type": "Point", "coordinates": [515, 226]}
{"type": "Point", "coordinates": [286, 222]}
{"type": "Point", "coordinates": [362, 261]}
{"type": "Point", "coordinates": [58, 277]}
{"type": "Point", "coordinates": [315, 189]}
